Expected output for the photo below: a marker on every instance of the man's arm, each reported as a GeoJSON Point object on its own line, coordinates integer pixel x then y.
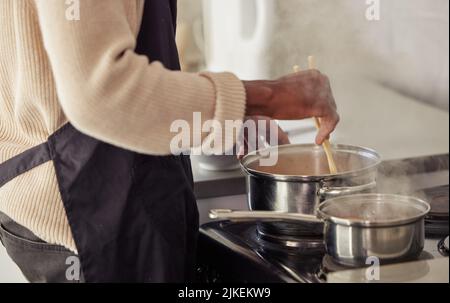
{"type": "Point", "coordinates": [111, 93]}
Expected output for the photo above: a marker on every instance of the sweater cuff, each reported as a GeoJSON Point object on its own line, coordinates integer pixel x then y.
{"type": "Point", "coordinates": [230, 106]}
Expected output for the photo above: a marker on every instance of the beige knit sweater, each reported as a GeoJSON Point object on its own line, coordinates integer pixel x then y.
{"type": "Point", "coordinates": [53, 70]}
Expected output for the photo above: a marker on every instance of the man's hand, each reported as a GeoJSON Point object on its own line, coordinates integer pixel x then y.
{"type": "Point", "coordinates": [297, 96]}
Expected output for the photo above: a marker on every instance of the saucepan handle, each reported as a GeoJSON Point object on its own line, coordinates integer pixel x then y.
{"type": "Point", "coordinates": [327, 192]}
{"type": "Point", "coordinates": [240, 215]}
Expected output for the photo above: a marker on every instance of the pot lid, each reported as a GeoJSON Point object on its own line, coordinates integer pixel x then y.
{"type": "Point", "coordinates": [308, 161]}
{"type": "Point", "coordinates": [373, 210]}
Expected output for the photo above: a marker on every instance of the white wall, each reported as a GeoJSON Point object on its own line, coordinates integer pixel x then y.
{"type": "Point", "coordinates": [414, 45]}
{"type": "Point", "coordinates": [407, 49]}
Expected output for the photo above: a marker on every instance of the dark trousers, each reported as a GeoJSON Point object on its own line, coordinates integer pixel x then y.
{"type": "Point", "coordinates": [40, 262]}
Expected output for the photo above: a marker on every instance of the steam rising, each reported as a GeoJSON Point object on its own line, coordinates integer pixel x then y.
{"type": "Point", "coordinates": [407, 49]}
{"type": "Point", "coordinates": [408, 177]}
{"type": "Point", "coordinates": [333, 31]}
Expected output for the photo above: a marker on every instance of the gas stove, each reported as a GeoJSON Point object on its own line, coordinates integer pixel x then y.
{"type": "Point", "coordinates": [250, 252]}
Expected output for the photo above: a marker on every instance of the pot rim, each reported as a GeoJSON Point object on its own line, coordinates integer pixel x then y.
{"type": "Point", "coordinates": [315, 178]}
{"type": "Point", "coordinates": [368, 223]}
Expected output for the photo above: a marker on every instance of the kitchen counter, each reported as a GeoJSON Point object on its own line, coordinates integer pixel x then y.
{"type": "Point", "coordinates": [429, 271]}
{"type": "Point", "coordinates": [396, 126]}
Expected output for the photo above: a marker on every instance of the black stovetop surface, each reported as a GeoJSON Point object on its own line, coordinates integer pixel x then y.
{"type": "Point", "coordinates": [231, 252]}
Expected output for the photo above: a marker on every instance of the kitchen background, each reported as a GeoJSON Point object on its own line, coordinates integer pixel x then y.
{"type": "Point", "coordinates": [406, 49]}
{"type": "Point", "coordinates": [390, 76]}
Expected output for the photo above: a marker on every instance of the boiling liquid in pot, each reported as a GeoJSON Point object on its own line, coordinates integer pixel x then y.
{"type": "Point", "coordinates": [388, 208]}
{"type": "Point", "coordinates": [311, 162]}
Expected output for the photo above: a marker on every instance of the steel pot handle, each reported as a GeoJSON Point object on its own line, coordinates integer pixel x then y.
{"type": "Point", "coordinates": [329, 191]}
{"type": "Point", "coordinates": [240, 215]}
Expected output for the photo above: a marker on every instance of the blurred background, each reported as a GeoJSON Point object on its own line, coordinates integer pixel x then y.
{"type": "Point", "coordinates": [406, 49]}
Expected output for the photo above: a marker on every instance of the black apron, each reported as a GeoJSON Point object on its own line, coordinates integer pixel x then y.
{"type": "Point", "coordinates": [133, 217]}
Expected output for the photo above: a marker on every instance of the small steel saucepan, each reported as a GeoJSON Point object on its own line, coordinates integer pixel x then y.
{"type": "Point", "coordinates": [389, 227]}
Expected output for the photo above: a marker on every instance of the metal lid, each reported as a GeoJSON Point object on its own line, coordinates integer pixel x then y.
{"type": "Point", "coordinates": [308, 162]}
{"type": "Point", "coordinates": [373, 210]}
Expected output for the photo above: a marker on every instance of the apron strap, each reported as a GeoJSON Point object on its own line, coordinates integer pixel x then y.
{"type": "Point", "coordinates": [23, 162]}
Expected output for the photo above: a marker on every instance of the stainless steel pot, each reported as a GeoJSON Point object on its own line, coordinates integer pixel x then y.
{"type": "Point", "coordinates": [300, 179]}
{"type": "Point", "coordinates": [389, 227]}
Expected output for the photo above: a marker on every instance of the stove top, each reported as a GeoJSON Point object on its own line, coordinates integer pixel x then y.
{"type": "Point", "coordinates": [237, 253]}
{"type": "Point", "coordinates": [436, 221]}
{"type": "Point", "coordinates": [234, 252]}
{"type": "Point", "coordinates": [249, 252]}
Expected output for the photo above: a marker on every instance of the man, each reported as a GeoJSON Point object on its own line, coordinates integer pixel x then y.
{"type": "Point", "coordinates": [86, 169]}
